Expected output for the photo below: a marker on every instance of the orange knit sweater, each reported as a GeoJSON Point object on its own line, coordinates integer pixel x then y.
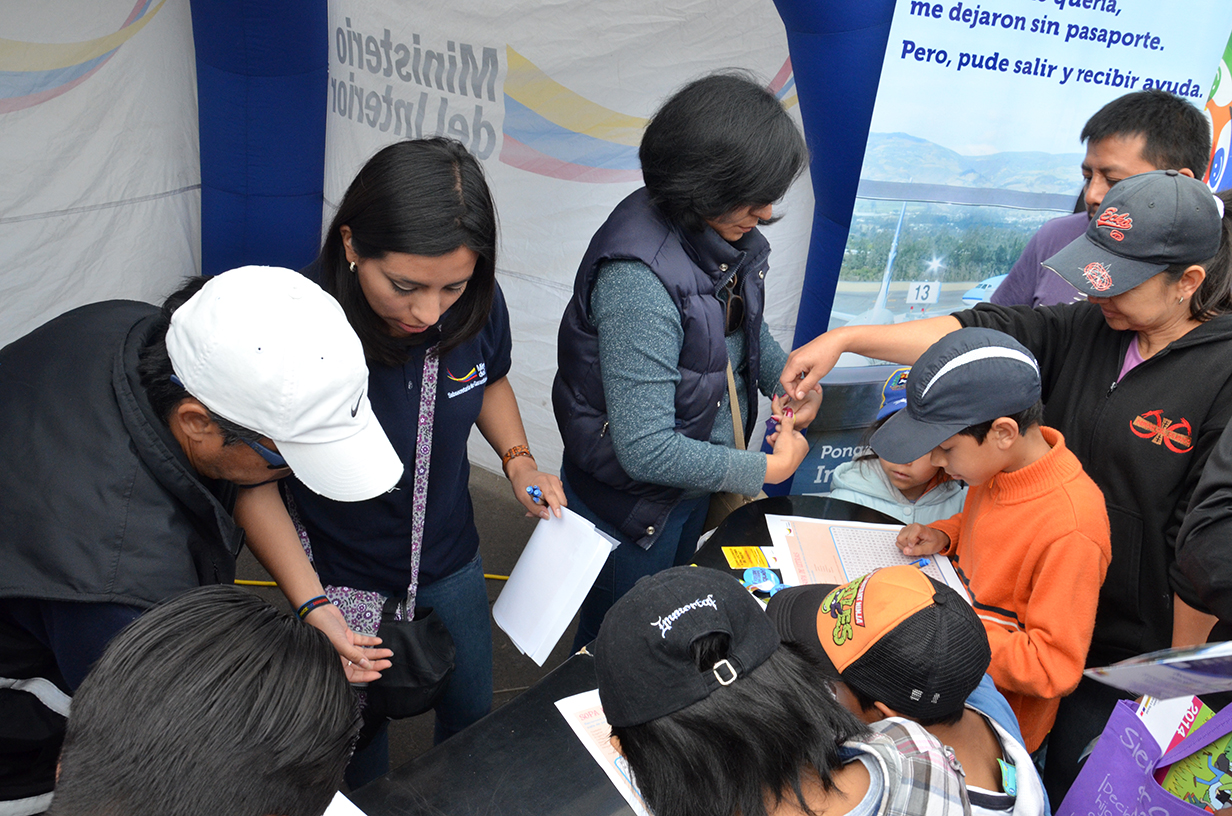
{"type": "Point", "coordinates": [1032, 546]}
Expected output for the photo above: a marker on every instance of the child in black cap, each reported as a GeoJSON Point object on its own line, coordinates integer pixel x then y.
{"type": "Point", "coordinates": [896, 643]}
{"type": "Point", "coordinates": [715, 718]}
{"type": "Point", "coordinates": [1031, 543]}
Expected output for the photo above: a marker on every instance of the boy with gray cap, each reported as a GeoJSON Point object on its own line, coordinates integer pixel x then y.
{"type": "Point", "coordinates": [1031, 543]}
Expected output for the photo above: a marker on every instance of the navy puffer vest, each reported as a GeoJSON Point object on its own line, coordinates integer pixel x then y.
{"type": "Point", "coordinates": [694, 268]}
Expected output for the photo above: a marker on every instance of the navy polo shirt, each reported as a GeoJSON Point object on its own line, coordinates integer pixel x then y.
{"type": "Point", "coordinates": [367, 545]}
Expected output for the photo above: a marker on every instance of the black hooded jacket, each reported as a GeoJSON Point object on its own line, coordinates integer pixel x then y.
{"type": "Point", "coordinates": [1144, 440]}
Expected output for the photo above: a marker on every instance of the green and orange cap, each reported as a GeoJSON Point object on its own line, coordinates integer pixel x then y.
{"type": "Point", "coordinates": [895, 635]}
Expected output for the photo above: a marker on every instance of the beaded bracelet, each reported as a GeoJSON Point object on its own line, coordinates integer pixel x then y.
{"type": "Point", "coordinates": [308, 606]}
{"type": "Point", "coordinates": [514, 453]}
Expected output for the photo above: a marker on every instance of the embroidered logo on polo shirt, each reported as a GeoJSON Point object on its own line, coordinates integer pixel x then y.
{"type": "Point", "coordinates": [1153, 425]}
{"type": "Point", "coordinates": [477, 376]}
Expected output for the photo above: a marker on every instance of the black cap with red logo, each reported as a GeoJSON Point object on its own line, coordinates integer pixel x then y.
{"type": "Point", "coordinates": [1145, 224]}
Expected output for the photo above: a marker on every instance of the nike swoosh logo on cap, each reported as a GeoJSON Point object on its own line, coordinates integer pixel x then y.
{"type": "Point", "coordinates": [355, 410]}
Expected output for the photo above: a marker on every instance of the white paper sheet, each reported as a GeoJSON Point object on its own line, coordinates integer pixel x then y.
{"type": "Point", "coordinates": [549, 582]}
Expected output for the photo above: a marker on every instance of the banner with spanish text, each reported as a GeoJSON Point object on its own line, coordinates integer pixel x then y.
{"type": "Point", "coordinates": [975, 134]}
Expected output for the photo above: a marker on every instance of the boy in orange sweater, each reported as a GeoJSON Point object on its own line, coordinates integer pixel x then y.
{"type": "Point", "coordinates": [1032, 542]}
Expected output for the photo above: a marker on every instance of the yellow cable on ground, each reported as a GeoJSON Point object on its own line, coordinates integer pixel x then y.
{"type": "Point", "coordinates": [242, 582]}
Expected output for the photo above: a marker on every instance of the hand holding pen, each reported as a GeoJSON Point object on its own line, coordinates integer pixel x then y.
{"type": "Point", "coordinates": [540, 493]}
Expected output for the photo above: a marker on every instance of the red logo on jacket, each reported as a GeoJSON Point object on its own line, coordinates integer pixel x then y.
{"type": "Point", "coordinates": [1154, 426]}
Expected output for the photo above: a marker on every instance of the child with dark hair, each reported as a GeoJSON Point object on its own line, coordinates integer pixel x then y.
{"type": "Point", "coordinates": [916, 491]}
{"type": "Point", "coordinates": [213, 702]}
{"type": "Point", "coordinates": [896, 643]}
{"type": "Point", "coordinates": [715, 718]}
{"type": "Point", "coordinates": [1032, 542]}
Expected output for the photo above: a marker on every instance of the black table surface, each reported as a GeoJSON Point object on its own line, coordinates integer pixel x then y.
{"type": "Point", "coordinates": [523, 759]}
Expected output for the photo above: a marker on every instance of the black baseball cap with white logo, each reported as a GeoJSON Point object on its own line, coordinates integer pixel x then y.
{"type": "Point", "coordinates": [1145, 224]}
{"type": "Point", "coordinates": [967, 377]}
{"type": "Point", "coordinates": [643, 653]}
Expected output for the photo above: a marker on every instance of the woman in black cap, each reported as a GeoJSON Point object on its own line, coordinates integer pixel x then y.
{"type": "Point", "coordinates": [1139, 381]}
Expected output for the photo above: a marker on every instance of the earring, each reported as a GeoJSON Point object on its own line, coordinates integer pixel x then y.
{"type": "Point", "coordinates": [352, 267]}
{"type": "Point", "coordinates": [1179, 300]}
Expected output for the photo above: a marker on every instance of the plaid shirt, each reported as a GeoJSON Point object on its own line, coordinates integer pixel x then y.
{"type": "Point", "coordinates": [921, 777]}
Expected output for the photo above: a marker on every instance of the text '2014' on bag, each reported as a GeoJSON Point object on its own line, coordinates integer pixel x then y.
{"type": "Point", "coordinates": [1119, 775]}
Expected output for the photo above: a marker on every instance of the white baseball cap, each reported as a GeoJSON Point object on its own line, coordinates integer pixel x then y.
{"type": "Point", "coordinates": [269, 350]}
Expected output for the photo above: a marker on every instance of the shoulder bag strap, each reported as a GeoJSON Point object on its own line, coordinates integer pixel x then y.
{"type": "Point", "coordinates": [423, 462]}
{"type": "Point", "coordinates": [737, 425]}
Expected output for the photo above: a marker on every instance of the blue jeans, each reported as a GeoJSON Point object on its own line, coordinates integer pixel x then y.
{"type": "Point", "coordinates": [461, 600]}
{"type": "Point", "coordinates": [629, 562]}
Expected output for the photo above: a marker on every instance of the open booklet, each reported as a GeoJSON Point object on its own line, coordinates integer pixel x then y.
{"type": "Point", "coordinates": [820, 551]}
{"type": "Point", "coordinates": [1172, 672]}
{"type": "Point", "coordinates": [585, 716]}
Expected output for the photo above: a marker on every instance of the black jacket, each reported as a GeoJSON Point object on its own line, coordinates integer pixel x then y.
{"type": "Point", "coordinates": [100, 503]}
{"type": "Point", "coordinates": [1143, 440]}
{"type": "Point", "coordinates": [1204, 545]}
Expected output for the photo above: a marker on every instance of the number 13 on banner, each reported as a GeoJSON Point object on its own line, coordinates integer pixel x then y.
{"type": "Point", "coordinates": [923, 291]}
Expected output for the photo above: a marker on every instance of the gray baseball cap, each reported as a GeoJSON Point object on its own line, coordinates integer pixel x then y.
{"type": "Point", "coordinates": [1145, 224]}
{"type": "Point", "coordinates": [965, 378]}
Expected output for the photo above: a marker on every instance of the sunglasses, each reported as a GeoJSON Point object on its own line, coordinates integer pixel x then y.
{"type": "Point", "coordinates": [735, 308]}
{"type": "Point", "coordinates": [275, 460]}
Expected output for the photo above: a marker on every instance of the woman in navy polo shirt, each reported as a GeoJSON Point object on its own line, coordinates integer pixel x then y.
{"type": "Point", "coordinates": [411, 256]}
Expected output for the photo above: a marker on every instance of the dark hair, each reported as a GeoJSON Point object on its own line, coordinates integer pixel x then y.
{"type": "Point", "coordinates": [866, 703]}
{"type": "Point", "coordinates": [1177, 134]}
{"type": "Point", "coordinates": [721, 755]}
{"type": "Point", "coordinates": [422, 197]}
{"type": "Point", "coordinates": [213, 702]}
{"type": "Point", "coordinates": [719, 143]}
{"type": "Point", "coordinates": [1214, 296]}
{"type": "Point", "coordinates": [867, 454]}
{"type": "Point", "coordinates": [154, 368]}
{"type": "Point", "coordinates": [1025, 419]}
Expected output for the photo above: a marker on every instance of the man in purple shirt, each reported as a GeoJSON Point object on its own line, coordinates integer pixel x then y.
{"type": "Point", "coordinates": [1132, 134]}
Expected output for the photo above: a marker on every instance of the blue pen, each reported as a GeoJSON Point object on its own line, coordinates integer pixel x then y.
{"type": "Point", "coordinates": [922, 562]}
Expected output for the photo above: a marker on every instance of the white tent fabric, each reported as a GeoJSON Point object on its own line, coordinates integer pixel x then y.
{"type": "Point", "coordinates": [101, 192]}
{"type": "Point", "coordinates": [552, 97]}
